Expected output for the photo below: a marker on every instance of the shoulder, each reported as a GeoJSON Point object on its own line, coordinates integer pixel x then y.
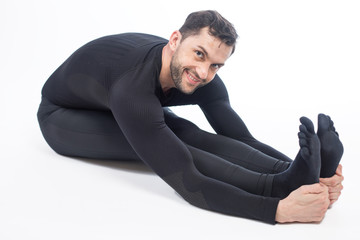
{"type": "Point", "coordinates": [127, 40]}
{"type": "Point", "coordinates": [121, 45]}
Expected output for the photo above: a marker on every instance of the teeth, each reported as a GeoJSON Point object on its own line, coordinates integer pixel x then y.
{"type": "Point", "coordinates": [192, 78]}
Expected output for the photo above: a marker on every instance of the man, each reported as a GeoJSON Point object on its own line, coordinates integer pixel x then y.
{"type": "Point", "coordinates": [108, 101]}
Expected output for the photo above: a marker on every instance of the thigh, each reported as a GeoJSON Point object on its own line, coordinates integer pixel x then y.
{"type": "Point", "coordinates": [83, 133]}
{"type": "Point", "coordinates": [227, 148]}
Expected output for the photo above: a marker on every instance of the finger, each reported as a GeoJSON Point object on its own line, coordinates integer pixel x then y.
{"type": "Point", "coordinates": [339, 170]}
{"type": "Point", "coordinates": [332, 181]}
{"type": "Point", "coordinates": [315, 188]}
{"type": "Point", "coordinates": [334, 196]}
{"type": "Point", "coordinates": [337, 188]}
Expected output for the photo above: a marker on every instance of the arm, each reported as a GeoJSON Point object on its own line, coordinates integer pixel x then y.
{"type": "Point", "coordinates": [227, 122]}
{"type": "Point", "coordinates": [140, 117]}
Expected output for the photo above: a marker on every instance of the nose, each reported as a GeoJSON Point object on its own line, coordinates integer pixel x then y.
{"type": "Point", "coordinates": [203, 71]}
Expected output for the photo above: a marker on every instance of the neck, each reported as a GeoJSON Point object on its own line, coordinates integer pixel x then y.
{"type": "Point", "coordinates": [166, 81]}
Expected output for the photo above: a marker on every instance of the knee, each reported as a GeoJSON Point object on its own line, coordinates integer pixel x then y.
{"type": "Point", "coordinates": [46, 108]}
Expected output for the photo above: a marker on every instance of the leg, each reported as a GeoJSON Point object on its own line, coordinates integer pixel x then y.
{"type": "Point", "coordinates": [95, 134]}
{"type": "Point", "coordinates": [220, 169]}
{"type": "Point", "coordinates": [331, 146]}
{"type": "Point", "coordinates": [232, 150]}
{"type": "Point", "coordinates": [305, 169]}
{"type": "Point", "coordinates": [83, 133]}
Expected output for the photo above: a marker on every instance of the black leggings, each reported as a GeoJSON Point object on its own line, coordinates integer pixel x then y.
{"type": "Point", "coordinates": [95, 134]}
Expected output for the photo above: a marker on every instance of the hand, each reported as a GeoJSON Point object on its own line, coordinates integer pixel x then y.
{"type": "Point", "coordinates": [308, 203]}
{"type": "Point", "coordinates": [334, 184]}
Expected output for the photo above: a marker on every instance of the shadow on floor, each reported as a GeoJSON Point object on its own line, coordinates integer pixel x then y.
{"type": "Point", "coordinates": [135, 166]}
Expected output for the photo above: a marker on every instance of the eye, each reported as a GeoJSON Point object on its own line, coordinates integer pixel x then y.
{"type": "Point", "coordinates": [216, 66]}
{"type": "Point", "coordinates": [199, 54]}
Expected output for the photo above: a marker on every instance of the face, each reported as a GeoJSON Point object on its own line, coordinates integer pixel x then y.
{"type": "Point", "coordinates": [196, 60]}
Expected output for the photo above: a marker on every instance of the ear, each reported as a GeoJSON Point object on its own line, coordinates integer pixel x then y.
{"type": "Point", "coordinates": [175, 40]}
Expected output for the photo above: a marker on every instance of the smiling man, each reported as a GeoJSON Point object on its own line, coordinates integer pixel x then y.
{"type": "Point", "coordinates": [109, 100]}
{"type": "Point", "coordinates": [202, 56]}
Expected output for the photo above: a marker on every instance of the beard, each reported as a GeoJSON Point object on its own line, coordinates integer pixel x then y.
{"type": "Point", "coordinates": [177, 71]}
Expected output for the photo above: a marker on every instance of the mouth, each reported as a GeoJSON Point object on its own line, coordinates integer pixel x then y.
{"type": "Point", "coordinates": [191, 78]}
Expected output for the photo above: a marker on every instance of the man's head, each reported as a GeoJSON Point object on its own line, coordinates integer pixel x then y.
{"type": "Point", "coordinates": [217, 26]}
{"type": "Point", "coordinates": [200, 48]}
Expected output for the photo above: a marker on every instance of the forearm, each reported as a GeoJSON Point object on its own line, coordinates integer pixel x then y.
{"type": "Point", "coordinates": [227, 122]}
{"type": "Point", "coordinates": [217, 196]}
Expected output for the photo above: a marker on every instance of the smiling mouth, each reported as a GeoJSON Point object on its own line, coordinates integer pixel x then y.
{"type": "Point", "coordinates": [192, 80]}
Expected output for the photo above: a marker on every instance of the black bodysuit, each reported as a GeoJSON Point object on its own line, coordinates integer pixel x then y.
{"type": "Point", "coordinates": [105, 101]}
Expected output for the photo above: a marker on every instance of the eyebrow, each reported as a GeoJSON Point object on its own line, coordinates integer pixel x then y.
{"type": "Point", "coordinates": [207, 55]}
{"type": "Point", "coordinates": [203, 49]}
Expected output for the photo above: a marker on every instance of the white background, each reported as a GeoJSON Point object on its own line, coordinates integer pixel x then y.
{"type": "Point", "coordinates": [293, 58]}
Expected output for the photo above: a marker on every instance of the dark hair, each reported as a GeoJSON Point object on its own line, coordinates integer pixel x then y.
{"type": "Point", "coordinates": [218, 26]}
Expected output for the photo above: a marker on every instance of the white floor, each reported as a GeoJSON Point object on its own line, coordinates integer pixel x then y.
{"type": "Point", "coordinates": [292, 59]}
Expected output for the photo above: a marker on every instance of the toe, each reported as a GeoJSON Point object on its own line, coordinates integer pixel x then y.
{"type": "Point", "coordinates": [303, 142]}
{"type": "Point", "coordinates": [331, 125]}
{"type": "Point", "coordinates": [303, 129]}
{"type": "Point", "coordinates": [323, 122]}
{"type": "Point", "coordinates": [305, 153]}
{"type": "Point", "coordinates": [308, 124]}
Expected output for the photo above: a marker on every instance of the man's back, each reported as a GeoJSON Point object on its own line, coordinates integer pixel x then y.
{"type": "Point", "coordinates": [86, 77]}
